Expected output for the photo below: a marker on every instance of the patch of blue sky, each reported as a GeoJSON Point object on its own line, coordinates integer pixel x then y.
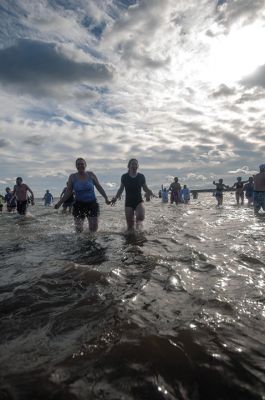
{"type": "Point", "coordinates": [110, 110]}
{"type": "Point", "coordinates": [125, 3]}
{"type": "Point", "coordinates": [98, 89]}
{"type": "Point", "coordinates": [76, 121]}
{"type": "Point", "coordinates": [11, 28]}
{"type": "Point", "coordinates": [94, 53]}
{"type": "Point", "coordinates": [40, 114]}
{"type": "Point", "coordinates": [66, 4]}
{"type": "Point", "coordinates": [96, 29]}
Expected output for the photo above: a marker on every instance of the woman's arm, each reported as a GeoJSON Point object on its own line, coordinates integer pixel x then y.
{"type": "Point", "coordinates": [99, 187]}
{"type": "Point", "coordinates": [147, 190]}
{"type": "Point", "coordinates": [118, 195]}
{"type": "Point", "coordinates": [67, 194]}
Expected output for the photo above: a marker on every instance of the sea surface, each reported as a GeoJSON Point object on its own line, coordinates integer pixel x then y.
{"type": "Point", "coordinates": [175, 311]}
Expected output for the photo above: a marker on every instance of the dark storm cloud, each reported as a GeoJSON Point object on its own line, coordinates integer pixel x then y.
{"type": "Point", "coordinates": [4, 143]}
{"type": "Point", "coordinates": [33, 64]}
{"type": "Point", "coordinates": [255, 80]}
{"type": "Point", "coordinates": [238, 142]}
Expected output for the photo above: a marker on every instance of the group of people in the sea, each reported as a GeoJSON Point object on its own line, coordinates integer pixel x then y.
{"type": "Point", "coordinates": [79, 195]}
{"type": "Point", "coordinates": [248, 188]}
{"type": "Point", "coordinates": [175, 193]}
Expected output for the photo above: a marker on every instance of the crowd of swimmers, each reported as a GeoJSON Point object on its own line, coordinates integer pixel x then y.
{"type": "Point", "coordinates": [78, 197]}
{"type": "Point", "coordinates": [175, 193]}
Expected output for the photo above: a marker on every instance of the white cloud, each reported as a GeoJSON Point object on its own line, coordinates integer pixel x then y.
{"type": "Point", "coordinates": [192, 176]}
{"type": "Point", "coordinates": [167, 82]}
{"type": "Point", "coordinates": [243, 170]}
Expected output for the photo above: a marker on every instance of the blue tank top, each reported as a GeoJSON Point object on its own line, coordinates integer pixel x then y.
{"type": "Point", "coordinates": [84, 190]}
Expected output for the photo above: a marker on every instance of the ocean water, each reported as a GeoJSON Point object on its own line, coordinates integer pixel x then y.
{"type": "Point", "coordinates": [173, 312]}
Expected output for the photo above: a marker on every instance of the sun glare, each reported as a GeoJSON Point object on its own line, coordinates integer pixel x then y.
{"type": "Point", "coordinates": [236, 55]}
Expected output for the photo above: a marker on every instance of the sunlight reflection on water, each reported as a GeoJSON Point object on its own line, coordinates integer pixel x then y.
{"type": "Point", "coordinates": [108, 309]}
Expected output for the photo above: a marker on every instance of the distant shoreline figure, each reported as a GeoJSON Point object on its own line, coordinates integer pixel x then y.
{"type": "Point", "coordinates": [69, 202]}
{"type": "Point", "coordinates": [133, 182]}
{"type": "Point", "coordinates": [86, 205]}
{"type": "Point", "coordinates": [175, 188]}
{"type": "Point", "coordinates": [220, 187]}
{"type": "Point", "coordinates": [194, 194]}
{"type": "Point", "coordinates": [10, 201]}
{"type": "Point", "coordinates": [164, 195]}
{"type": "Point", "coordinates": [259, 190]}
{"type": "Point", "coordinates": [1, 203]}
{"type": "Point", "coordinates": [185, 194]}
{"type": "Point", "coordinates": [239, 185]}
{"type": "Point", "coordinates": [20, 193]}
{"type": "Point", "coordinates": [249, 189]}
{"type": "Point", "coordinates": [48, 198]}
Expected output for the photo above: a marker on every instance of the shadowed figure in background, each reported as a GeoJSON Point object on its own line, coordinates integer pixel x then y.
{"type": "Point", "coordinates": [21, 195]}
{"type": "Point", "coordinates": [10, 201]}
{"type": "Point", "coordinates": [175, 189]}
{"type": "Point", "coordinates": [48, 198]}
{"type": "Point", "coordinates": [249, 189]}
{"type": "Point", "coordinates": [259, 190]}
{"type": "Point", "coordinates": [220, 187]}
{"type": "Point", "coordinates": [239, 185]}
{"type": "Point", "coordinates": [68, 204]}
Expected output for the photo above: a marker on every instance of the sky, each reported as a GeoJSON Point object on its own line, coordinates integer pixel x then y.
{"type": "Point", "coordinates": [179, 85]}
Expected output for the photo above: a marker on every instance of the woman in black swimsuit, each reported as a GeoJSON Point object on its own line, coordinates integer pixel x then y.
{"type": "Point", "coordinates": [133, 182]}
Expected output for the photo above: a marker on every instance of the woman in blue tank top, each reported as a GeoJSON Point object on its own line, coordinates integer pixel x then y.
{"type": "Point", "coordinates": [86, 206]}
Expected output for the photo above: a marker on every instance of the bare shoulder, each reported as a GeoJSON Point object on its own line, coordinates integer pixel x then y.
{"type": "Point", "coordinates": [91, 174]}
{"type": "Point", "coordinates": [71, 177]}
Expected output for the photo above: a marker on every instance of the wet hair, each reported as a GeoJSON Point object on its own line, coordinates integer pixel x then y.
{"type": "Point", "coordinates": [176, 178]}
{"type": "Point", "coordinates": [19, 178]}
{"type": "Point", "coordinates": [8, 188]}
{"type": "Point", "coordinates": [239, 178]}
{"type": "Point", "coordinates": [80, 159]}
{"type": "Point", "coordinates": [131, 160]}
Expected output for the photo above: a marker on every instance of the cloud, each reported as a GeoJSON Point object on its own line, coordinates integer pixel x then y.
{"type": "Point", "coordinates": [223, 91]}
{"type": "Point", "coordinates": [36, 67]}
{"type": "Point", "coordinates": [4, 142]}
{"type": "Point", "coordinates": [36, 140]}
{"type": "Point", "coordinates": [174, 100]}
{"type": "Point", "coordinates": [197, 177]}
{"type": "Point", "coordinates": [245, 170]}
{"type": "Point", "coordinates": [257, 79]}
{"type": "Point", "coordinates": [241, 12]}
